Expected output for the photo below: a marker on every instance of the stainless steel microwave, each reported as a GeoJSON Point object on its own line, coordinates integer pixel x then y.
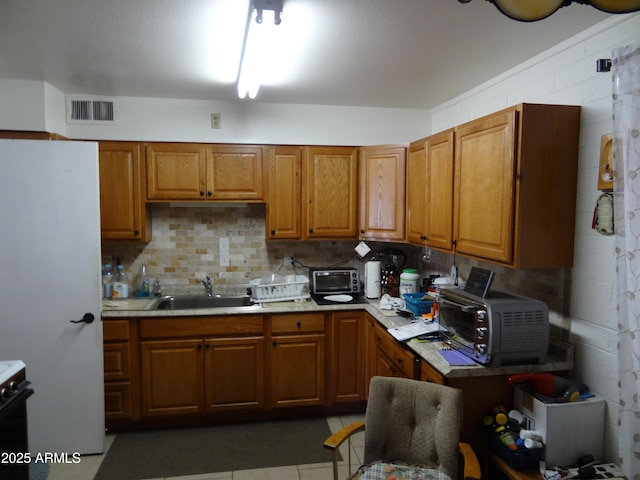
{"type": "Point", "coordinates": [495, 330]}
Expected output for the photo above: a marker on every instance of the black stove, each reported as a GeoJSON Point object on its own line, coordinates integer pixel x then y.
{"type": "Point", "coordinates": [14, 438]}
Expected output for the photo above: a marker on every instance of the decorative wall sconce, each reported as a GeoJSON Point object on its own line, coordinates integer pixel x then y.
{"type": "Point", "coordinates": [533, 10]}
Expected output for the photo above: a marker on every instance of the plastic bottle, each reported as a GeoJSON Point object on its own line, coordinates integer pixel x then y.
{"type": "Point", "coordinates": [507, 437]}
{"type": "Point", "coordinates": [157, 288]}
{"type": "Point", "coordinates": [409, 281]}
{"type": "Point", "coordinates": [107, 281]}
{"type": "Point", "coordinates": [121, 283]}
{"type": "Point", "coordinates": [144, 284]}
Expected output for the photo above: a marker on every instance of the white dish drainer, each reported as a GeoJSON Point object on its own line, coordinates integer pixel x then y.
{"type": "Point", "coordinates": [280, 292]}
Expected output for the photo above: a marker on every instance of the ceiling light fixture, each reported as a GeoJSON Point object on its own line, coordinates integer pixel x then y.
{"type": "Point", "coordinates": [532, 10]}
{"type": "Point", "coordinates": [257, 50]}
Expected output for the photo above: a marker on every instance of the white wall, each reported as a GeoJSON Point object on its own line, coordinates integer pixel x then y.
{"type": "Point", "coordinates": [22, 105]}
{"type": "Point", "coordinates": [567, 74]}
{"type": "Point", "coordinates": [155, 119]}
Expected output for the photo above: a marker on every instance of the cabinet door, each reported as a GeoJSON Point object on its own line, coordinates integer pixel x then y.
{"type": "Point", "coordinates": [176, 171]}
{"type": "Point", "coordinates": [297, 370]}
{"type": "Point", "coordinates": [284, 197]}
{"type": "Point", "coordinates": [484, 186]}
{"type": "Point", "coordinates": [393, 357]}
{"type": "Point", "coordinates": [234, 172]}
{"type": "Point", "coordinates": [234, 373]}
{"type": "Point", "coordinates": [172, 373]}
{"type": "Point", "coordinates": [330, 193]}
{"type": "Point", "coordinates": [439, 190]}
{"type": "Point", "coordinates": [348, 356]}
{"type": "Point", "coordinates": [382, 194]}
{"type": "Point", "coordinates": [385, 367]}
{"type": "Point", "coordinates": [123, 212]}
{"type": "Point", "coordinates": [416, 192]}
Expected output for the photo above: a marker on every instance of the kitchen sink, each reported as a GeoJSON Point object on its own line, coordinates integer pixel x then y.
{"type": "Point", "coordinates": [189, 302]}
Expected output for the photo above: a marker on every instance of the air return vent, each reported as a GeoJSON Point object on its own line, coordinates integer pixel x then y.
{"type": "Point", "coordinates": [91, 110]}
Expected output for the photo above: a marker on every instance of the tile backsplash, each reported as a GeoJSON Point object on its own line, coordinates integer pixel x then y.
{"type": "Point", "coordinates": [185, 247]}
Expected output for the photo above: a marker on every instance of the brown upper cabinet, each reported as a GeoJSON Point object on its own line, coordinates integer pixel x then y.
{"type": "Point", "coordinates": [382, 192]}
{"type": "Point", "coordinates": [430, 191]}
{"type": "Point", "coordinates": [203, 172]}
{"type": "Point", "coordinates": [123, 212]}
{"type": "Point", "coordinates": [284, 193]}
{"type": "Point", "coordinates": [312, 193]}
{"type": "Point", "coordinates": [515, 186]}
{"type": "Point", "coordinates": [330, 180]}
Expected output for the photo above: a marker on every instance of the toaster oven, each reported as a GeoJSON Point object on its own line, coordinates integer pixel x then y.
{"type": "Point", "coordinates": [499, 329]}
{"type": "Point", "coordinates": [331, 285]}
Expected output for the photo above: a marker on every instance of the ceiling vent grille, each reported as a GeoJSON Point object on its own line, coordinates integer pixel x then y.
{"type": "Point", "coordinates": [92, 110]}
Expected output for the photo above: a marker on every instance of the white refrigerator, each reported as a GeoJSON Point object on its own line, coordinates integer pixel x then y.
{"type": "Point", "coordinates": [49, 277]}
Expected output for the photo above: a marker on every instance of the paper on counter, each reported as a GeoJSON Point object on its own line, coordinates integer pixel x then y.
{"type": "Point", "coordinates": [453, 357]}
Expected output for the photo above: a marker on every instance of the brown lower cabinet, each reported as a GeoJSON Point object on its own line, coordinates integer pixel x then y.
{"type": "Point", "coordinates": [119, 371]}
{"type": "Point", "coordinates": [286, 364]}
{"type": "Point", "coordinates": [201, 364]}
{"type": "Point", "coordinates": [297, 369]}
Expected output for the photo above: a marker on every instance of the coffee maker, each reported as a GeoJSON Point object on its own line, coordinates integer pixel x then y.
{"type": "Point", "coordinates": [393, 260]}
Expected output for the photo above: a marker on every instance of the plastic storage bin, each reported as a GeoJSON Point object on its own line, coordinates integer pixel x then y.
{"type": "Point", "coordinates": [415, 305]}
{"type": "Point", "coordinates": [521, 459]}
{"type": "Point", "coordinates": [569, 430]}
{"type": "Point", "coordinates": [280, 292]}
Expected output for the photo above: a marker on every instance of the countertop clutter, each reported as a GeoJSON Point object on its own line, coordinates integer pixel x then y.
{"type": "Point", "coordinates": [560, 357]}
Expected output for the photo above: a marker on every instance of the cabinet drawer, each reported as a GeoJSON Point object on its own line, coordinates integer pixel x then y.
{"type": "Point", "coordinates": [200, 326]}
{"type": "Point", "coordinates": [403, 358]}
{"type": "Point", "coordinates": [116, 361]}
{"type": "Point", "coordinates": [117, 400]}
{"type": "Point", "coordinates": [115, 330]}
{"type": "Point", "coordinates": [294, 323]}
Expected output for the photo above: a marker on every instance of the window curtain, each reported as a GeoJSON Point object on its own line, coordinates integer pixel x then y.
{"type": "Point", "coordinates": [626, 153]}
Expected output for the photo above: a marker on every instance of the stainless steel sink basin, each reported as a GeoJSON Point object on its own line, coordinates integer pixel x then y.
{"type": "Point", "coordinates": [189, 302]}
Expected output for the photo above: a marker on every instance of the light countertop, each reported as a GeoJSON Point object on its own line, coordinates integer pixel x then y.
{"type": "Point", "coordinates": [560, 356]}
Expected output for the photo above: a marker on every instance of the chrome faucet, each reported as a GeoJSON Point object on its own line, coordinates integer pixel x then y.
{"type": "Point", "coordinates": [208, 285]}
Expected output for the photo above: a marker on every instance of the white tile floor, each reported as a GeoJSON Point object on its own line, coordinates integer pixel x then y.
{"type": "Point", "coordinates": [88, 466]}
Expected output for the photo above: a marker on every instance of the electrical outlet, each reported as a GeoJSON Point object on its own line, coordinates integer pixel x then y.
{"type": "Point", "coordinates": [288, 261]}
{"type": "Point", "coordinates": [216, 120]}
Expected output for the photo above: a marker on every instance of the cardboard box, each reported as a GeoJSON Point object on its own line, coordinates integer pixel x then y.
{"type": "Point", "coordinates": [569, 430]}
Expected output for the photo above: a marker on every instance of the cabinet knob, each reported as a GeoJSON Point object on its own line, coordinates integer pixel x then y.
{"type": "Point", "coordinates": [423, 237]}
{"type": "Point", "coordinates": [362, 232]}
{"type": "Point", "coordinates": [209, 193]}
{"type": "Point", "coordinates": [273, 232]}
{"type": "Point", "coordinates": [136, 233]}
{"type": "Point", "coordinates": [202, 193]}
{"type": "Point", "coordinates": [299, 324]}
{"type": "Point", "coordinates": [274, 343]}
{"type": "Point", "coordinates": [311, 230]}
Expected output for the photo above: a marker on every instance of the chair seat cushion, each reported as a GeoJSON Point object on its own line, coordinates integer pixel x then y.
{"type": "Point", "coordinates": [397, 471]}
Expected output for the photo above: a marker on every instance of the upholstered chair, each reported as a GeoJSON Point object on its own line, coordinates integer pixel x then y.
{"type": "Point", "coordinates": [412, 430]}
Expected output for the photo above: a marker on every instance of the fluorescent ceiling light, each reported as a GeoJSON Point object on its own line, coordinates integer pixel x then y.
{"type": "Point", "coordinates": [258, 52]}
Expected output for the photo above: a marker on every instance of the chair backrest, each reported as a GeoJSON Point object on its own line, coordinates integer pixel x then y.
{"type": "Point", "coordinates": [414, 422]}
